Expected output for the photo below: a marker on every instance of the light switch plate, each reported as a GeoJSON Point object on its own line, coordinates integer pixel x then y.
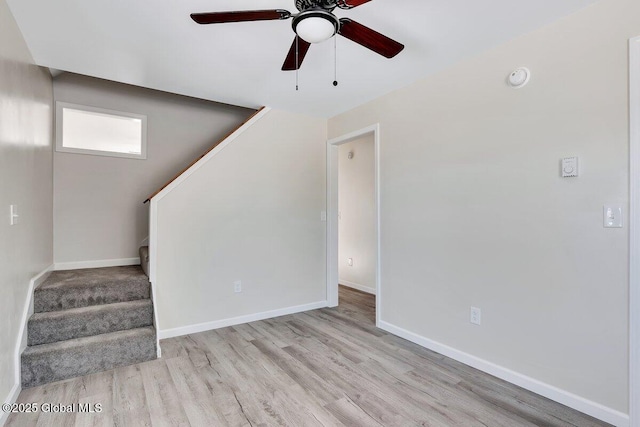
{"type": "Point", "coordinates": [612, 216]}
{"type": "Point", "coordinates": [13, 212]}
{"type": "Point", "coordinates": [569, 167]}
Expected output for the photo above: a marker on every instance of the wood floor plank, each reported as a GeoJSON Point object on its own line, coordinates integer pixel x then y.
{"type": "Point", "coordinates": [272, 380]}
{"type": "Point", "coordinates": [194, 395]}
{"type": "Point", "coordinates": [350, 414]}
{"type": "Point", "coordinates": [129, 401]}
{"type": "Point", "coordinates": [257, 397]}
{"type": "Point", "coordinates": [342, 346]}
{"type": "Point", "coordinates": [362, 392]}
{"type": "Point", "coordinates": [224, 397]}
{"type": "Point", "coordinates": [327, 367]}
{"type": "Point", "coordinates": [364, 343]}
{"type": "Point", "coordinates": [442, 397]}
{"type": "Point", "coordinates": [308, 380]}
{"type": "Point", "coordinates": [199, 356]}
{"type": "Point", "coordinates": [68, 393]}
{"type": "Point", "coordinates": [97, 389]}
{"type": "Point", "coordinates": [271, 335]}
{"type": "Point", "coordinates": [172, 347]}
{"type": "Point", "coordinates": [246, 397]}
{"type": "Point", "coordinates": [247, 332]}
{"type": "Point", "coordinates": [347, 321]}
{"type": "Point", "coordinates": [103, 418]}
{"type": "Point", "coordinates": [162, 397]}
{"type": "Point", "coordinates": [29, 395]}
{"type": "Point", "coordinates": [23, 419]}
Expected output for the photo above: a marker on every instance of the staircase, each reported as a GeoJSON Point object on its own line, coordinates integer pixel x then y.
{"type": "Point", "coordinates": [87, 321]}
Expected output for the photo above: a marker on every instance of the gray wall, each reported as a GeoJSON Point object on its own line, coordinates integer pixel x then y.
{"type": "Point", "coordinates": [474, 212]}
{"type": "Point", "coordinates": [98, 210]}
{"type": "Point", "coordinates": [26, 180]}
{"type": "Point", "coordinates": [261, 224]}
{"type": "Point", "coordinates": [356, 227]}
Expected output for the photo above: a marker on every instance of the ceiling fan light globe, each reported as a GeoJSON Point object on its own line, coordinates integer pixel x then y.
{"type": "Point", "coordinates": [315, 29]}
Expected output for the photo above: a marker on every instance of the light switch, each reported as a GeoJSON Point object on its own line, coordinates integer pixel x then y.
{"type": "Point", "coordinates": [13, 212]}
{"type": "Point", "coordinates": [612, 216]}
{"type": "Point", "coordinates": [569, 167]}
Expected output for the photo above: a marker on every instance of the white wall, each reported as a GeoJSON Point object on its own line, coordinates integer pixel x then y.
{"type": "Point", "coordinates": [98, 210]}
{"type": "Point", "coordinates": [474, 213]}
{"type": "Point", "coordinates": [26, 180]}
{"type": "Point", "coordinates": [356, 227]}
{"type": "Point", "coordinates": [256, 218]}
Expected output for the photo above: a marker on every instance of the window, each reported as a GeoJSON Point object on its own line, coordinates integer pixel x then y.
{"type": "Point", "coordinates": [91, 130]}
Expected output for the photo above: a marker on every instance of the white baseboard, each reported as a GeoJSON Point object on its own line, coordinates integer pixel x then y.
{"type": "Point", "coordinates": [363, 288]}
{"type": "Point", "coordinates": [564, 397]}
{"type": "Point", "coordinates": [223, 323]}
{"type": "Point", "coordinates": [77, 265]}
{"type": "Point", "coordinates": [155, 320]}
{"type": "Point", "coordinates": [11, 398]}
{"type": "Point", "coordinates": [21, 342]}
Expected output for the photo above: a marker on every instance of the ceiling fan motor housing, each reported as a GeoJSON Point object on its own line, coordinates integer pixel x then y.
{"type": "Point", "coordinates": [303, 5]}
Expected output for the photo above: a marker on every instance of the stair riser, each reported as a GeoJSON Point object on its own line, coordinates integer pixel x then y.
{"type": "Point", "coordinates": [46, 300]}
{"type": "Point", "coordinates": [77, 325]}
{"type": "Point", "coordinates": [73, 362]}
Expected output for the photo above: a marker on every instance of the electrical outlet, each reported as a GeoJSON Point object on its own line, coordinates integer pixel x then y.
{"type": "Point", "coordinates": [476, 316]}
{"type": "Point", "coordinates": [350, 262]}
{"type": "Point", "coordinates": [237, 286]}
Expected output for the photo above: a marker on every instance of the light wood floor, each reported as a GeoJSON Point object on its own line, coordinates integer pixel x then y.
{"type": "Point", "coordinates": [325, 367]}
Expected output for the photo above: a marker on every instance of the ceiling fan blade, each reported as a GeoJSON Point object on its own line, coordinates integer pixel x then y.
{"type": "Point", "coordinates": [240, 16]}
{"type": "Point", "coordinates": [350, 4]}
{"type": "Point", "coordinates": [369, 38]}
{"type": "Point", "coordinates": [290, 61]}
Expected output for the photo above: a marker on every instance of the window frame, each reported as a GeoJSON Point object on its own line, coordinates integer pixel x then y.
{"type": "Point", "coordinates": [60, 106]}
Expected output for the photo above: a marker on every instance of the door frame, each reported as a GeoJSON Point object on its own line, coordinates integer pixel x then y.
{"type": "Point", "coordinates": [634, 232]}
{"type": "Point", "coordinates": [332, 212]}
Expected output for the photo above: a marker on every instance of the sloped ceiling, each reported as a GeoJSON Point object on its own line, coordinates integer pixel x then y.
{"type": "Point", "coordinates": [156, 45]}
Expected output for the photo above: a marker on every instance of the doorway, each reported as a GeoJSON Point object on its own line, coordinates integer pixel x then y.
{"type": "Point", "coordinates": [357, 265]}
{"type": "Point", "coordinates": [356, 226]}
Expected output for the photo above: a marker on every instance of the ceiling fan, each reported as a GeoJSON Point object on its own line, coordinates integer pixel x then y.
{"type": "Point", "coordinates": [314, 23]}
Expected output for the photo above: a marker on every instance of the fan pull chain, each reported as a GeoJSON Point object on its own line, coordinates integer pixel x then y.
{"type": "Point", "coordinates": [335, 60]}
{"type": "Point", "coordinates": [297, 63]}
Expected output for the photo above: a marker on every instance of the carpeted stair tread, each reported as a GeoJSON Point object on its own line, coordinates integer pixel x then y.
{"type": "Point", "coordinates": [67, 359]}
{"type": "Point", "coordinates": [69, 289]}
{"type": "Point", "coordinates": [53, 326]}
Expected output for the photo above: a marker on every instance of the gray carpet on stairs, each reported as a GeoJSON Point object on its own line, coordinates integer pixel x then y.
{"type": "Point", "coordinates": [87, 321]}
{"type": "Point", "coordinates": [53, 326]}
{"type": "Point", "coordinates": [46, 363]}
{"type": "Point", "coordinates": [93, 286]}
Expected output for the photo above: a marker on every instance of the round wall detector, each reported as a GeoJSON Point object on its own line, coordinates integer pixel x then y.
{"type": "Point", "coordinates": [518, 78]}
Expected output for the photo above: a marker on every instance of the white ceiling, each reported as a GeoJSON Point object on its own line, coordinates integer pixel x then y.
{"type": "Point", "coordinates": [156, 45]}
